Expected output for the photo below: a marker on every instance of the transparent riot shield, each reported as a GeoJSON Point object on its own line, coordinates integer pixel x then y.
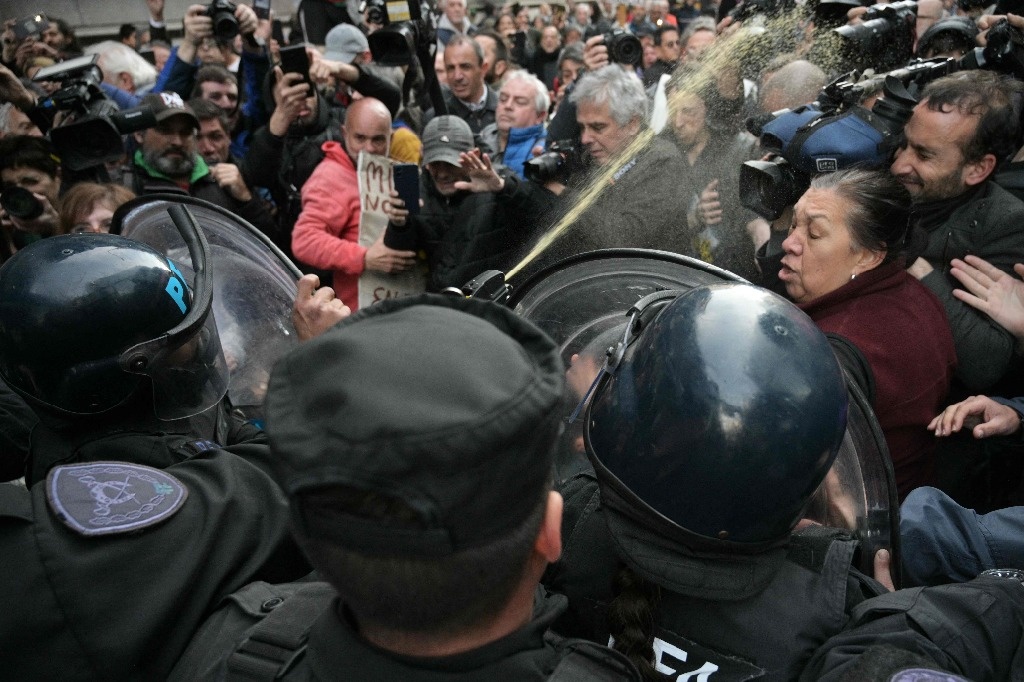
{"type": "Point", "coordinates": [582, 302]}
{"type": "Point", "coordinates": [253, 286]}
{"type": "Point", "coordinates": [859, 492]}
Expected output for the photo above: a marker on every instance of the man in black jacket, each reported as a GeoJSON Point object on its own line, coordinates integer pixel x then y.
{"type": "Point", "coordinates": [473, 217]}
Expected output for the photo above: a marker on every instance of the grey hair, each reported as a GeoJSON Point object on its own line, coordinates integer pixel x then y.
{"type": "Point", "coordinates": [698, 24]}
{"type": "Point", "coordinates": [117, 57]}
{"type": "Point", "coordinates": [621, 90]}
{"type": "Point", "coordinates": [542, 101]}
{"type": "Point", "coordinates": [573, 52]}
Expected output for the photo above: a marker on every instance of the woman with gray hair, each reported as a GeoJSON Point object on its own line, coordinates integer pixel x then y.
{"type": "Point", "coordinates": [844, 265]}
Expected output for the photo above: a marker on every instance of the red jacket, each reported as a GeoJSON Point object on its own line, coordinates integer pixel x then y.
{"type": "Point", "coordinates": [326, 235]}
{"type": "Point", "coordinates": [901, 328]}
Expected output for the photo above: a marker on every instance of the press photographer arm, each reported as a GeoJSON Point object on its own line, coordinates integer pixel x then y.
{"type": "Point", "coordinates": [197, 28]}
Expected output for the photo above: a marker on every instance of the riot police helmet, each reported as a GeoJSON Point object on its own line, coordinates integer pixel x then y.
{"type": "Point", "coordinates": [716, 417]}
{"type": "Point", "coordinates": [89, 322]}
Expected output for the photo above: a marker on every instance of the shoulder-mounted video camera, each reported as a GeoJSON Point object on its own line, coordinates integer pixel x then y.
{"type": "Point", "coordinates": [408, 25]}
{"type": "Point", "coordinates": [90, 133]}
{"type": "Point", "coordinates": [837, 132]}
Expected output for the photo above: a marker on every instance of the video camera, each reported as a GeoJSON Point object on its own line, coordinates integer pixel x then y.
{"type": "Point", "coordinates": [836, 132]}
{"type": "Point", "coordinates": [91, 131]}
{"type": "Point", "coordinates": [408, 26]}
{"type": "Point", "coordinates": [885, 38]}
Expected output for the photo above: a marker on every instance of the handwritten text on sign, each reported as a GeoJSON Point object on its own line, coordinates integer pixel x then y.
{"type": "Point", "coordinates": [375, 185]}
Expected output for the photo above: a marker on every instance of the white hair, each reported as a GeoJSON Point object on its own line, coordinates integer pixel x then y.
{"type": "Point", "coordinates": [542, 101]}
{"type": "Point", "coordinates": [117, 58]}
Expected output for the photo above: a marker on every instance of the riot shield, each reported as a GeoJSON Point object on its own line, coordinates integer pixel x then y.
{"type": "Point", "coordinates": [253, 286]}
{"type": "Point", "coordinates": [582, 302]}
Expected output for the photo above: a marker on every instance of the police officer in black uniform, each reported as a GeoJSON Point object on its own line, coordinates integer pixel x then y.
{"type": "Point", "coordinates": [120, 360]}
{"type": "Point", "coordinates": [416, 443]}
{"type": "Point", "coordinates": [974, 629]}
{"type": "Point", "coordinates": [714, 421]}
{"type": "Point", "coordinates": [133, 531]}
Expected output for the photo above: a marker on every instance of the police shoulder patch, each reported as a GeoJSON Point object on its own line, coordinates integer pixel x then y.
{"type": "Point", "coordinates": [106, 498]}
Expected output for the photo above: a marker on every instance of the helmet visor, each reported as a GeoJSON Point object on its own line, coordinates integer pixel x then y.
{"type": "Point", "coordinates": [190, 378]}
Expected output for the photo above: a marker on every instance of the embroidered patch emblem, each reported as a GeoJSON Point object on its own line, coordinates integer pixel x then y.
{"type": "Point", "coordinates": [103, 498]}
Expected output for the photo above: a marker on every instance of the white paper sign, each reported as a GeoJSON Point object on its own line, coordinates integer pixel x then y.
{"type": "Point", "coordinates": [375, 185]}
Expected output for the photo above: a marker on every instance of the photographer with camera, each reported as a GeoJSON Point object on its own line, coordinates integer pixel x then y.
{"type": "Point", "coordinates": [615, 47]}
{"type": "Point", "coordinates": [611, 110]}
{"type": "Point", "coordinates": [31, 178]}
{"type": "Point", "coordinates": [222, 20]}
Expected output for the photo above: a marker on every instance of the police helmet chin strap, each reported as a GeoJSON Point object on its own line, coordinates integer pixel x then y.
{"type": "Point", "coordinates": [640, 314]}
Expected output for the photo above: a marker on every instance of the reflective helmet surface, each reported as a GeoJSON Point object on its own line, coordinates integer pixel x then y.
{"type": "Point", "coordinates": [71, 305]}
{"type": "Point", "coordinates": [724, 414]}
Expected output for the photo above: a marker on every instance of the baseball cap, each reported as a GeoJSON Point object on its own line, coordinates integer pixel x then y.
{"type": "Point", "coordinates": [168, 104]}
{"type": "Point", "coordinates": [344, 42]}
{"type": "Point", "coordinates": [446, 403]}
{"type": "Point", "coordinates": [443, 139]}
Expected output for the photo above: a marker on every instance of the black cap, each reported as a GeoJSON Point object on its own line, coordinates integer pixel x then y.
{"type": "Point", "coordinates": [449, 404]}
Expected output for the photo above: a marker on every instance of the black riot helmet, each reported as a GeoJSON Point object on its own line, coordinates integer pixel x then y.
{"type": "Point", "coordinates": [89, 321]}
{"type": "Point", "coordinates": [719, 415]}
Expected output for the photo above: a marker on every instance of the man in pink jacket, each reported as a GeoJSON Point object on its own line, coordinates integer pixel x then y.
{"type": "Point", "coordinates": [326, 234]}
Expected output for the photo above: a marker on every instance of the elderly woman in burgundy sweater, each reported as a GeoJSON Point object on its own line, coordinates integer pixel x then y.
{"type": "Point", "coordinates": [844, 267]}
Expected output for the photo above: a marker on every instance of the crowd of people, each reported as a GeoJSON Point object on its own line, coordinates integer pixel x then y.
{"type": "Point", "coordinates": [407, 513]}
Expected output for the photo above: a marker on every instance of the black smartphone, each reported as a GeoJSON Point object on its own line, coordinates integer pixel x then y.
{"type": "Point", "coordinates": [277, 31]}
{"type": "Point", "coordinates": [32, 25]}
{"type": "Point", "coordinates": [147, 54]}
{"type": "Point", "coordinates": [407, 184]}
{"type": "Point", "coordinates": [261, 8]}
{"type": "Point", "coordinates": [295, 60]}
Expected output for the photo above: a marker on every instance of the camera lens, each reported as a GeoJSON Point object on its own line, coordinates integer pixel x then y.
{"type": "Point", "coordinates": [225, 26]}
{"type": "Point", "coordinates": [624, 48]}
{"type": "Point", "coordinates": [20, 203]}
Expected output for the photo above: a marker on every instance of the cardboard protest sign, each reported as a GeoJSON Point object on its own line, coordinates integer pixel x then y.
{"type": "Point", "coordinates": [375, 185]}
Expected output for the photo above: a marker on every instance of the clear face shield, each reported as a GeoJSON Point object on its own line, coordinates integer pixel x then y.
{"type": "Point", "coordinates": [185, 364]}
{"type": "Point", "coordinates": [191, 378]}
{"type": "Point", "coordinates": [253, 287]}
{"type": "Point", "coordinates": [582, 303]}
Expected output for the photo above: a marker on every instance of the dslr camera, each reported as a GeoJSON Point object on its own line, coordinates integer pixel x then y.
{"type": "Point", "coordinates": [408, 26]}
{"type": "Point", "coordinates": [559, 162]}
{"type": "Point", "coordinates": [225, 25]}
{"type": "Point", "coordinates": [623, 47]}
